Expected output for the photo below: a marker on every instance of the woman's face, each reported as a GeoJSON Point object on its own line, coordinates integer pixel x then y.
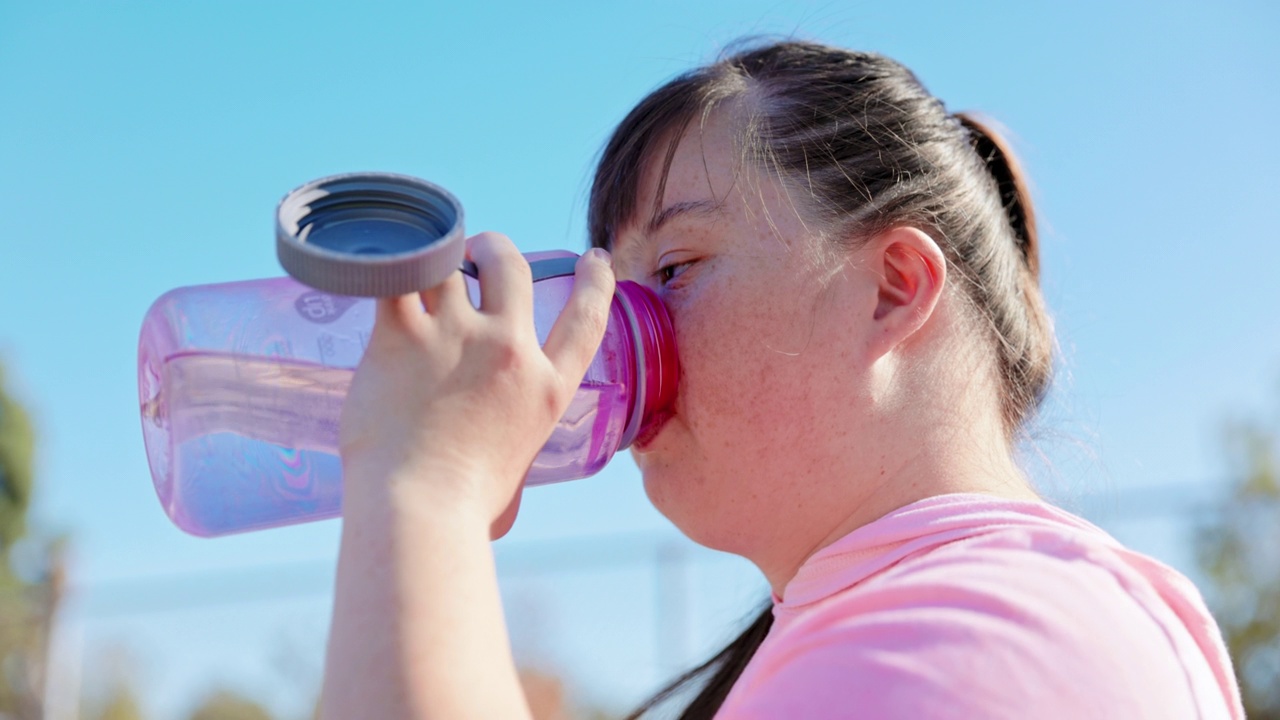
{"type": "Point", "coordinates": [770, 340]}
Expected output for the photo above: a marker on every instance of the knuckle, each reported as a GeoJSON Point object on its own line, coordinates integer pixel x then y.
{"type": "Point", "coordinates": [549, 399]}
{"type": "Point", "coordinates": [514, 268]}
{"type": "Point", "coordinates": [484, 239]}
{"type": "Point", "coordinates": [520, 265]}
{"type": "Point", "coordinates": [491, 244]}
{"type": "Point", "coordinates": [498, 251]}
{"type": "Point", "coordinates": [504, 351]}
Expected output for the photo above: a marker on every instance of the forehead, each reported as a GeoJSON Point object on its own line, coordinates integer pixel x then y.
{"type": "Point", "coordinates": [700, 181]}
{"type": "Point", "coordinates": [704, 166]}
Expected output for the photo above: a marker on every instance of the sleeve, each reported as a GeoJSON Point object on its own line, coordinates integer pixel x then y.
{"type": "Point", "coordinates": [1007, 635]}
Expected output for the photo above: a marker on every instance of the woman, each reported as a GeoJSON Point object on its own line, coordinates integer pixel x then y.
{"type": "Point", "coordinates": [851, 272]}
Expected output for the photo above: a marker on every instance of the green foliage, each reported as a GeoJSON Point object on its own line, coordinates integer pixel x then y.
{"type": "Point", "coordinates": [27, 603]}
{"type": "Point", "coordinates": [226, 705]}
{"type": "Point", "coordinates": [1239, 552]}
{"type": "Point", "coordinates": [29, 599]}
{"type": "Point", "coordinates": [17, 445]}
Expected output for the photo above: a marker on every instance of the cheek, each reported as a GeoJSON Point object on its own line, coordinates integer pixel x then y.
{"type": "Point", "coordinates": [746, 368]}
{"type": "Point", "coordinates": [713, 335]}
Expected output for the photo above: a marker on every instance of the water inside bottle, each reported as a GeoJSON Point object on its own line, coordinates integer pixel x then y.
{"type": "Point", "coordinates": [254, 440]}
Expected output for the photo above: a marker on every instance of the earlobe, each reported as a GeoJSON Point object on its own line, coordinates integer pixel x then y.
{"type": "Point", "coordinates": [911, 272]}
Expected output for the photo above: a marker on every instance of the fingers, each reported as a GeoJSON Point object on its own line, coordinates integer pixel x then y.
{"type": "Point", "coordinates": [447, 299]}
{"type": "Point", "coordinates": [397, 313]}
{"type": "Point", "coordinates": [577, 333]}
{"type": "Point", "coordinates": [506, 284]}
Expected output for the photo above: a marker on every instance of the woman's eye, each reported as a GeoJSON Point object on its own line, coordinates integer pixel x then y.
{"type": "Point", "coordinates": [667, 273]}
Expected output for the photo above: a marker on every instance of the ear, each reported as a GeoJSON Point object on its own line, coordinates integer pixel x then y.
{"type": "Point", "coordinates": [910, 272]}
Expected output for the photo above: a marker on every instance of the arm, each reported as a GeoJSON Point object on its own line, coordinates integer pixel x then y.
{"type": "Point", "coordinates": [445, 414]}
{"type": "Point", "coordinates": [417, 624]}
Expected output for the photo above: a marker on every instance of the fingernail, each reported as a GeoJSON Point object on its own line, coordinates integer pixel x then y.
{"type": "Point", "coordinates": [600, 254]}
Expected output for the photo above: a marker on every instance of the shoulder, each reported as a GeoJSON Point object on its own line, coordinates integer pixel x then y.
{"type": "Point", "coordinates": [1002, 624]}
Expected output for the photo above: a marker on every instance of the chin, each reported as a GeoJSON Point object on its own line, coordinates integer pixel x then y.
{"type": "Point", "coordinates": [683, 500]}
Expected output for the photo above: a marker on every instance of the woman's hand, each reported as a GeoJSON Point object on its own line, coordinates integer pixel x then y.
{"type": "Point", "coordinates": [456, 401]}
{"type": "Point", "coordinates": [446, 412]}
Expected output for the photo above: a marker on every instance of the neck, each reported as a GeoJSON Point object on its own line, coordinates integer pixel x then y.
{"type": "Point", "coordinates": [934, 448]}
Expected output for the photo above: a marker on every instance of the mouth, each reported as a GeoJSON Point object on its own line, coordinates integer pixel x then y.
{"type": "Point", "coordinates": [651, 429]}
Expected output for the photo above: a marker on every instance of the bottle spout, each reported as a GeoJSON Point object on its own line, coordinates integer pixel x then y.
{"type": "Point", "coordinates": [657, 362]}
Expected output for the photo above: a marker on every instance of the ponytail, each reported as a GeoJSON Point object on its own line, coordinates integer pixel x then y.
{"type": "Point", "coordinates": [1026, 332]}
{"type": "Point", "coordinates": [1010, 184]}
{"type": "Point", "coordinates": [721, 672]}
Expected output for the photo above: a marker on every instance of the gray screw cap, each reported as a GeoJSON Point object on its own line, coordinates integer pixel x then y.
{"type": "Point", "coordinates": [370, 234]}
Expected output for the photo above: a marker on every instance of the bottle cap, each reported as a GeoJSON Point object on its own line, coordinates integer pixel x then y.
{"type": "Point", "coordinates": [370, 234]}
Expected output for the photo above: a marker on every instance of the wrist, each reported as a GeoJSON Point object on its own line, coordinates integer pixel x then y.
{"type": "Point", "coordinates": [421, 492]}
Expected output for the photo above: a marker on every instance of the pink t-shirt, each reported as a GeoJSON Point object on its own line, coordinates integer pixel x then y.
{"type": "Point", "coordinates": [969, 606]}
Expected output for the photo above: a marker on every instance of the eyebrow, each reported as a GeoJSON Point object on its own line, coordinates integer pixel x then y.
{"type": "Point", "coordinates": [671, 212]}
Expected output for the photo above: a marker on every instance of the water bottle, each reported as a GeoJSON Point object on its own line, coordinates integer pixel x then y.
{"type": "Point", "coordinates": [241, 384]}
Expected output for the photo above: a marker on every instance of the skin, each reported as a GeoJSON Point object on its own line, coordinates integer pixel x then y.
{"type": "Point", "coordinates": [819, 390]}
{"type": "Point", "coordinates": [446, 411]}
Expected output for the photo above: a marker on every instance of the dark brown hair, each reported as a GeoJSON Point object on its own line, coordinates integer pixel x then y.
{"type": "Point", "coordinates": [863, 147]}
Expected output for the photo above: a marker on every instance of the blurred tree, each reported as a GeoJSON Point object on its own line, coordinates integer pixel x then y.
{"type": "Point", "coordinates": [116, 697]}
{"type": "Point", "coordinates": [31, 574]}
{"type": "Point", "coordinates": [1239, 552]}
{"type": "Point", "coordinates": [227, 705]}
{"type": "Point", "coordinates": [122, 704]}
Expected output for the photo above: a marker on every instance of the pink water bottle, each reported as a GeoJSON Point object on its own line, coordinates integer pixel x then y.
{"type": "Point", "coordinates": [241, 384]}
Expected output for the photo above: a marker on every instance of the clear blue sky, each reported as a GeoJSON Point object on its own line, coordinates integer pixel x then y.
{"type": "Point", "coordinates": [143, 146]}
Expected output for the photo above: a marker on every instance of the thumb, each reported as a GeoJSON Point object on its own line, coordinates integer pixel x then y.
{"type": "Point", "coordinates": [576, 334]}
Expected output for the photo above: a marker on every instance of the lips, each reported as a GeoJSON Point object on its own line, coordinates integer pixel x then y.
{"type": "Point", "coordinates": [651, 429]}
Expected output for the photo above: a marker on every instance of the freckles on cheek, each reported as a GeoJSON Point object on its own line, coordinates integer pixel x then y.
{"type": "Point", "coordinates": [720, 372]}
{"type": "Point", "coordinates": [709, 346]}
